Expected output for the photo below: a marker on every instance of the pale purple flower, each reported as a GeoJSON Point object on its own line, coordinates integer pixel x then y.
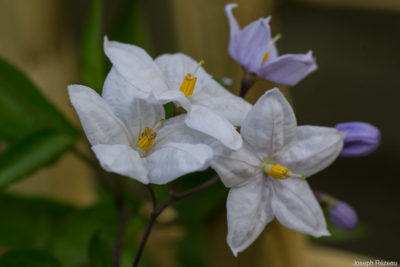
{"type": "Point", "coordinates": [362, 138]}
{"type": "Point", "coordinates": [255, 50]}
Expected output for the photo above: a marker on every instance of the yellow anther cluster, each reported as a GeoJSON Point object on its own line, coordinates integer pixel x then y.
{"type": "Point", "coordinates": [146, 138]}
{"type": "Point", "coordinates": [279, 172]}
{"type": "Point", "coordinates": [188, 84]}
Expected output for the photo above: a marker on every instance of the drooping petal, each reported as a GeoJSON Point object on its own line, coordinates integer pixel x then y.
{"type": "Point", "coordinates": [313, 149]}
{"type": "Point", "coordinates": [234, 29]}
{"type": "Point", "coordinates": [223, 102]}
{"type": "Point", "coordinates": [235, 168]}
{"type": "Point", "coordinates": [252, 43]}
{"type": "Point", "coordinates": [176, 66]}
{"type": "Point", "coordinates": [296, 207]}
{"type": "Point", "coordinates": [137, 110]}
{"type": "Point", "coordinates": [270, 124]}
{"type": "Point", "coordinates": [249, 211]}
{"type": "Point", "coordinates": [100, 124]}
{"type": "Point", "coordinates": [123, 160]}
{"type": "Point", "coordinates": [175, 96]}
{"type": "Point", "coordinates": [204, 120]}
{"type": "Point", "coordinates": [288, 69]}
{"type": "Point", "coordinates": [175, 130]}
{"type": "Point", "coordinates": [138, 68]}
{"type": "Point", "coordinates": [176, 159]}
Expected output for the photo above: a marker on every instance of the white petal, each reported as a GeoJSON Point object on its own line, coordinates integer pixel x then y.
{"type": "Point", "coordinates": [137, 110]}
{"type": "Point", "coordinates": [223, 102]}
{"type": "Point", "coordinates": [314, 149]}
{"type": "Point", "coordinates": [235, 168]}
{"type": "Point", "coordinates": [175, 96]}
{"type": "Point", "coordinates": [270, 124]}
{"type": "Point", "coordinates": [175, 159]}
{"type": "Point", "coordinates": [174, 130]}
{"type": "Point", "coordinates": [123, 160]}
{"type": "Point", "coordinates": [176, 66]}
{"type": "Point", "coordinates": [136, 66]}
{"type": "Point", "coordinates": [295, 207]}
{"type": "Point", "coordinates": [249, 211]}
{"type": "Point", "coordinates": [210, 123]}
{"type": "Point", "coordinates": [100, 124]}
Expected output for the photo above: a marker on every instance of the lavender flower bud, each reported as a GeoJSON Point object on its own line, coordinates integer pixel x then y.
{"type": "Point", "coordinates": [362, 138]}
{"type": "Point", "coordinates": [343, 216]}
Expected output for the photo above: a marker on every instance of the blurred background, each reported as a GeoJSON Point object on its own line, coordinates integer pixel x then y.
{"type": "Point", "coordinates": [57, 206]}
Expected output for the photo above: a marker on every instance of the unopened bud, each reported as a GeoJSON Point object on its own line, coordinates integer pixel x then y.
{"type": "Point", "coordinates": [362, 138]}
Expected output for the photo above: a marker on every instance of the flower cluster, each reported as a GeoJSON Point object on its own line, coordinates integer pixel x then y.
{"type": "Point", "coordinates": [265, 165]}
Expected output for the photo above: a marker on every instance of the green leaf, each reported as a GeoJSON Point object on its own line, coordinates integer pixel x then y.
{"type": "Point", "coordinates": [28, 258]}
{"type": "Point", "coordinates": [130, 26]}
{"type": "Point", "coordinates": [23, 109]}
{"type": "Point", "coordinates": [100, 251]}
{"type": "Point", "coordinates": [30, 153]}
{"type": "Point", "coordinates": [192, 248]}
{"type": "Point", "coordinates": [19, 229]}
{"type": "Point", "coordinates": [73, 236]}
{"type": "Point", "coordinates": [92, 65]}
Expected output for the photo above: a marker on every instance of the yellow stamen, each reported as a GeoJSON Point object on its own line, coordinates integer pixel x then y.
{"type": "Point", "coordinates": [279, 172]}
{"type": "Point", "coordinates": [267, 53]}
{"type": "Point", "coordinates": [188, 84]}
{"type": "Point", "coordinates": [266, 56]}
{"type": "Point", "coordinates": [147, 137]}
{"type": "Point", "coordinates": [189, 81]}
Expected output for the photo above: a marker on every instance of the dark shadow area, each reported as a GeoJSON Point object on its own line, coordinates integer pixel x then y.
{"type": "Point", "coordinates": [358, 80]}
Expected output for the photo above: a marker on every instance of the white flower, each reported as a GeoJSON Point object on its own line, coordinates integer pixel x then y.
{"type": "Point", "coordinates": [129, 136]}
{"type": "Point", "coordinates": [211, 109]}
{"type": "Point", "coordinates": [265, 176]}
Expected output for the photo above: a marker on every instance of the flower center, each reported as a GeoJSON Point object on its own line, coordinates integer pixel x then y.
{"type": "Point", "coordinates": [273, 41]}
{"type": "Point", "coordinates": [278, 171]}
{"type": "Point", "coordinates": [147, 137]}
{"type": "Point", "coordinates": [189, 81]}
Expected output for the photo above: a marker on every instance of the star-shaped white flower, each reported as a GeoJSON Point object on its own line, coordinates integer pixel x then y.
{"type": "Point", "coordinates": [211, 109]}
{"type": "Point", "coordinates": [266, 174]}
{"type": "Point", "coordinates": [130, 137]}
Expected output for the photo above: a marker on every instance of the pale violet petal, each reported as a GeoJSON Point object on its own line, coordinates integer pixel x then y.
{"type": "Point", "coordinates": [252, 44]}
{"type": "Point", "coordinates": [313, 149]}
{"type": "Point", "coordinates": [136, 66]}
{"type": "Point", "coordinates": [176, 66]}
{"type": "Point", "coordinates": [296, 207]}
{"type": "Point", "coordinates": [100, 124]}
{"type": "Point", "coordinates": [248, 211]}
{"type": "Point", "coordinates": [270, 124]}
{"type": "Point", "coordinates": [123, 160]}
{"type": "Point", "coordinates": [204, 120]}
{"type": "Point", "coordinates": [218, 99]}
{"type": "Point", "coordinates": [135, 109]}
{"type": "Point", "coordinates": [176, 159]}
{"type": "Point", "coordinates": [288, 69]}
{"type": "Point", "coordinates": [234, 28]}
{"type": "Point", "coordinates": [235, 168]}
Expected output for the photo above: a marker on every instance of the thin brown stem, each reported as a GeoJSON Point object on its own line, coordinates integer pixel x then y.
{"type": "Point", "coordinates": [157, 210]}
{"type": "Point", "coordinates": [197, 188]}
